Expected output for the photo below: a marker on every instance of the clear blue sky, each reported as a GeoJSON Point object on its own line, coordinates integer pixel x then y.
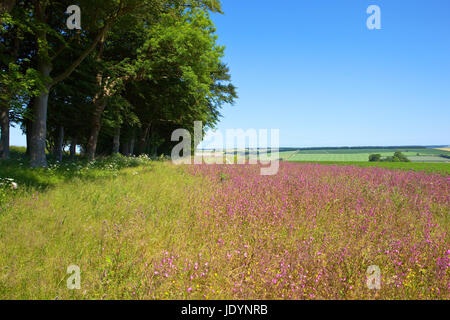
{"type": "Point", "coordinates": [313, 70]}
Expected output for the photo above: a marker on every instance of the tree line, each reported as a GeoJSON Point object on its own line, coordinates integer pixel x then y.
{"type": "Point", "coordinates": [133, 73]}
{"type": "Point", "coordinates": [397, 157]}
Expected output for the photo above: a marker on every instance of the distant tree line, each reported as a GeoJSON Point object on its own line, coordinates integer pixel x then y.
{"type": "Point", "coordinates": [134, 72]}
{"type": "Point", "coordinates": [354, 148]}
{"type": "Point", "coordinates": [397, 157]}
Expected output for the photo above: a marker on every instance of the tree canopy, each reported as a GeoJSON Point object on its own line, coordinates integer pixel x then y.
{"type": "Point", "coordinates": [135, 71]}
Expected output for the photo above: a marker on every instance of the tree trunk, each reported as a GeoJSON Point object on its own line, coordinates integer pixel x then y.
{"type": "Point", "coordinates": [4, 126]}
{"type": "Point", "coordinates": [116, 141]}
{"type": "Point", "coordinates": [28, 125]}
{"type": "Point", "coordinates": [93, 137]}
{"type": "Point", "coordinates": [44, 67]}
{"type": "Point", "coordinates": [39, 130]}
{"type": "Point", "coordinates": [99, 106]}
{"type": "Point", "coordinates": [73, 148]}
{"type": "Point", "coordinates": [95, 129]}
{"type": "Point", "coordinates": [125, 147]}
{"type": "Point", "coordinates": [59, 146]}
{"type": "Point", "coordinates": [143, 139]}
{"type": "Point", "coordinates": [131, 146]}
{"type": "Point", "coordinates": [5, 7]}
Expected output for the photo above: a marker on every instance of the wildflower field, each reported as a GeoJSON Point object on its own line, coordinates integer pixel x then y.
{"type": "Point", "coordinates": [159, 231]}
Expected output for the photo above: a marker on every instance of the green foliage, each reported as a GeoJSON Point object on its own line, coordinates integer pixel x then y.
{"type": "Point", "coordinates": [375, 157]}
{"type": "Point", "coordinates": [397, 157]}
{"type": "Point", "coordinates": [134, 65]}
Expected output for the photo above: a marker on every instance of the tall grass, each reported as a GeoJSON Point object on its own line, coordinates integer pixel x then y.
{"type": "Point", "coordinates": [17, 171]}
{"type": "Point", "coordinates": [109, 227]}
{"type": "Point", "coordinates": [157, 231]}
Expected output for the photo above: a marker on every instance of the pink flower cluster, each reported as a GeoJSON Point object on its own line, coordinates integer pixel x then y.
{"type": "Point", "coordinates": [311, 231]}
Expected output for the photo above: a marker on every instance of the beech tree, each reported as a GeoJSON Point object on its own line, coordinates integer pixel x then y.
{"type": "Point", "coordinates": [18, 81]}
{"type": "Point", "coordinates": [136, 68]}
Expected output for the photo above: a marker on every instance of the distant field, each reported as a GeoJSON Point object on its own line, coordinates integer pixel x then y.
{"type": "Point", "coordinates": [334, 157]}
{"type": "Point", "coordinates": [441, 168]}
{"type": "Point", "coordinates": [428, 159]}
{"type": "Point", "coordinates": [371, 150]}
{"type": "Point", "coordinates": [362, 155]}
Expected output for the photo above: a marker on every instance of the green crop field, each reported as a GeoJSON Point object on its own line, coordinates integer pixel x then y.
{"type": "Point", "coordinates": [441, 168]}
{"type": "Point", "coordinates": [415, 150]}
{"type": "Point", "coordinates": [362, 155]}
{"type": "Point", "coordinates": [334, 157]}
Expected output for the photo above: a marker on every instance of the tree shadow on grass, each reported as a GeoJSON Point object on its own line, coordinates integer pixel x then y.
{"type": "Point", "coordinates": [18, 169]}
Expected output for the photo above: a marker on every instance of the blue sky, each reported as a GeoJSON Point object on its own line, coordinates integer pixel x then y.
{"type": "Point", "coordinates": [313, 70]}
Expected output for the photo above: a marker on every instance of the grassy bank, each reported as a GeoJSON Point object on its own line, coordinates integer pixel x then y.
{"type": "Point", "coordinates": [109, 226]}
{"type": "Point", "coordinates": [29, 181]}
